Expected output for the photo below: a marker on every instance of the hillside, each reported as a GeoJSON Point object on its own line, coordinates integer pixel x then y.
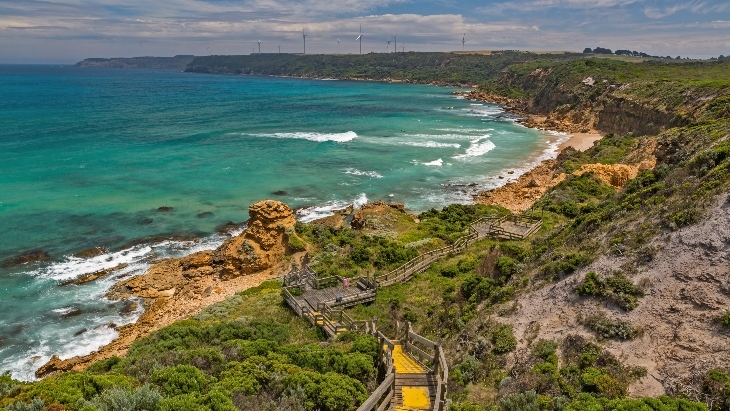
{"type": "Point", "coordinates": [436, 68]}
{"type": "Point", "coordinates": [178, 62]}
{"type": "Point", "coordinates": [619, 302]}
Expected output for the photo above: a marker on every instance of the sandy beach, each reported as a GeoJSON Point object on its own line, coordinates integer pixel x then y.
{"type": "Point", "coordinates": [580, 141]}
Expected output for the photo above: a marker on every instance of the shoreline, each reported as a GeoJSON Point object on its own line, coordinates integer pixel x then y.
{"type": "Point", "coordinates": [150, 320]}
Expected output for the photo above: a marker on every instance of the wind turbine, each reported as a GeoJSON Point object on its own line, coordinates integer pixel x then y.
{"type": "Point", "coordinates": [463, 42]}
{"type": "Point", "coordinates": [360, 38]}
{"type": "Point", "coordinates": [403, 47]}
{"type": "Point", "coordinates": [280, 49]}
{"type": "Point", "coordinates": [338, 46]}
{"type": "Point", "coordinates": [389, 45]}
{"type": "Point", "coordinates": [304, 36]}
{"type": "Point", "coordinates": [259, 41]}
{"type": "Point", "coordinates": [395, 39]}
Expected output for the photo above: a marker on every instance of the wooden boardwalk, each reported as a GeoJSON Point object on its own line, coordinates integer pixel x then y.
{"type": "Point", "coordinates": [416, 371]}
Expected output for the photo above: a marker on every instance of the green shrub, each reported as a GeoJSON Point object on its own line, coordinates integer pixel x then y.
{"type": "Point", "coordinates": [507, 266]}
{"type": "Point", "coordinates": [466, 371]}
{"type": "Point", "coordinates": [544, 349]}
{"type": "Point", "coordinates": [144, 398]}
{"type": "Point", "coordinates": [185, 402]}
{"type": "Point", "coordinates": [524, 401]}
{"type": "Point", "coordinates": [610, 329]}
{"type": "Point", "coordinates": [503, 339]}
{"type": "Point", "coordinates": [466, 265]}
{"type": "Point", "coordinates": [67, 389]}
{"type": "Point", "coordinates": [361, 255]}
{"type": "Point", "coordinates": [450, 271]}
{"type": "Point", "coordinates": [180, 379]}
{"type": "Point", "coordinates": [616, 288]}
{"type": "Point", "coordinates": [327, 392]}
{"type": "Point", "coordinates": [296, 243]}
{"type": "Point", "coordinates": [565, 264]}
{"type": "Point", "coordinates": [724, 319]}
{"type": "Point", "coordinates": [36, 404]}
{"type": "Point", "coordinates": [685, 218]}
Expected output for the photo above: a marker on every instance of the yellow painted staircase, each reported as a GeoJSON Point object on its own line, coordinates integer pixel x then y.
{"type": "Point", "coordinates": [415, 386]}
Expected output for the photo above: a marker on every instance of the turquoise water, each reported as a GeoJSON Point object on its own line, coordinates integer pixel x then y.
{"type": "Point", "coordinates": [88, 155]}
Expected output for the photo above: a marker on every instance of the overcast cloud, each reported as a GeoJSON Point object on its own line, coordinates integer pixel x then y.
{"type": "Point", "coordinates": [65, 31]}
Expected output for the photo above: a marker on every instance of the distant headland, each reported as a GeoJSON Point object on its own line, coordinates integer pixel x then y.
{"type": "Point", "coordinates": [177, 62]}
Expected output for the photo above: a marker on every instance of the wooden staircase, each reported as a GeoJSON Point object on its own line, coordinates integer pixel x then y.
{"type": "Point", "coordinates": [415, 368]}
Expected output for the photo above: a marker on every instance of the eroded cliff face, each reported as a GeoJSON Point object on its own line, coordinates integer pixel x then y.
{"type": "Point", "coordinates": [178, 288]}
{"type": "Point", "coordinates": [559, 99]}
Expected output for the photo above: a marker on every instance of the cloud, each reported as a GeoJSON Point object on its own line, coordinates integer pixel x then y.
{"type": "Point", "coordinates": [105, 28]}
{"type": "Point", "coordinates": [697, 7]}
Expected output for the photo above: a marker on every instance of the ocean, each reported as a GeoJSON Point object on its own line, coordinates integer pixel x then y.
{"type": "Point", "coordinates": [89, 155]}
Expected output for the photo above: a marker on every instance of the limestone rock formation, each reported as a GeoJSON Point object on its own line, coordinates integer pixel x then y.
{"type": "Point", "coordinates": [262, 244]}
{"type": "Point", "coordinates": [616, 175]}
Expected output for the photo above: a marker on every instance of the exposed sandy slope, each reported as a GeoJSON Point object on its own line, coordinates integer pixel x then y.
{"type": "Point", "coordinates": [689, 287]}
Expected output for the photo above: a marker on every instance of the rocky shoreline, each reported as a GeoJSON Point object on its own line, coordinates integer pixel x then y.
{"type": "Point", "coordinates": [519, 196]}
{"type": "Point", "coordinates": [177, 288]}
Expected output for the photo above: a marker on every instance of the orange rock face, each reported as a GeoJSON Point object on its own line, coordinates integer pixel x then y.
{"type": "Point", "coordinates": [616, 175]}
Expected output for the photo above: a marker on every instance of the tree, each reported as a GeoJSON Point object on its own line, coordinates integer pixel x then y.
{"type": "Point", "coordinates": [587, 50]}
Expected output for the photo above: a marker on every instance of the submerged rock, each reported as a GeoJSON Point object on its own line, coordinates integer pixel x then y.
{"type": "Point", "coordinates": [205, 214]}
{"type": "Point", "coordinates": [87, 278]}
{"type": "Point", "coordinates": [25, 258]}
{"type": "Point", "coordinates": [227, 228]}
{"type": "Point", "coordinates": [165, 209]}
{"type": "Point", "coordinates": [92, 252]}
{"type": "Point", "coordinates": [72, 313]}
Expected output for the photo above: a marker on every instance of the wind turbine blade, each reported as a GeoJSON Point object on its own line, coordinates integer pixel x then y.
{"type": "Point", "coordinates": [358, 37]}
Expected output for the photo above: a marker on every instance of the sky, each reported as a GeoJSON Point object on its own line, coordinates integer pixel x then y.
{"type": "Point", "coordinates": [66, 31]}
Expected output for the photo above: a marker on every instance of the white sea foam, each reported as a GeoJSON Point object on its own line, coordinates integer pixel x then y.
{"type": "Point", "coordinates": [313, 136]}
{"type": "Point", "coordinates": [477, 148]}
{"type": "Point", "coordinates": [431, 144]}
{"type": "Point", "coordinates": [356, 172]}
{"type": "Point", "coordinates": [98, 333]}
{"type": "Point", "coordinates": [327, 209]}
{"type": "Point", "coordinates": [465, 130]}
{"type": "Point", "coordinates": [73, 267]}
{"type": "Point", "coordinates": [483, 111]}
{"type": "Point", "coordinates": [435, 163]}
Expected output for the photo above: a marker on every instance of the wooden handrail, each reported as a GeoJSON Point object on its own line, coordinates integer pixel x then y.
{"type": "Point", "coordinates": [382, 391]}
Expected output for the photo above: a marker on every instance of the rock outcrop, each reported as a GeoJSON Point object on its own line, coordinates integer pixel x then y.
{"type": "Point", "coordinates": [365, 217]}
{"type": "Point", "coordinates": [177, 288]}
{"type": "Point", "coordinates": [520, 195]}
{"type": "Point", "coordinates": [616, 175]}
{"type": "Point", "coordinates": [25, 258]}
{"type": "Point", "coordinates": [262, 244]}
